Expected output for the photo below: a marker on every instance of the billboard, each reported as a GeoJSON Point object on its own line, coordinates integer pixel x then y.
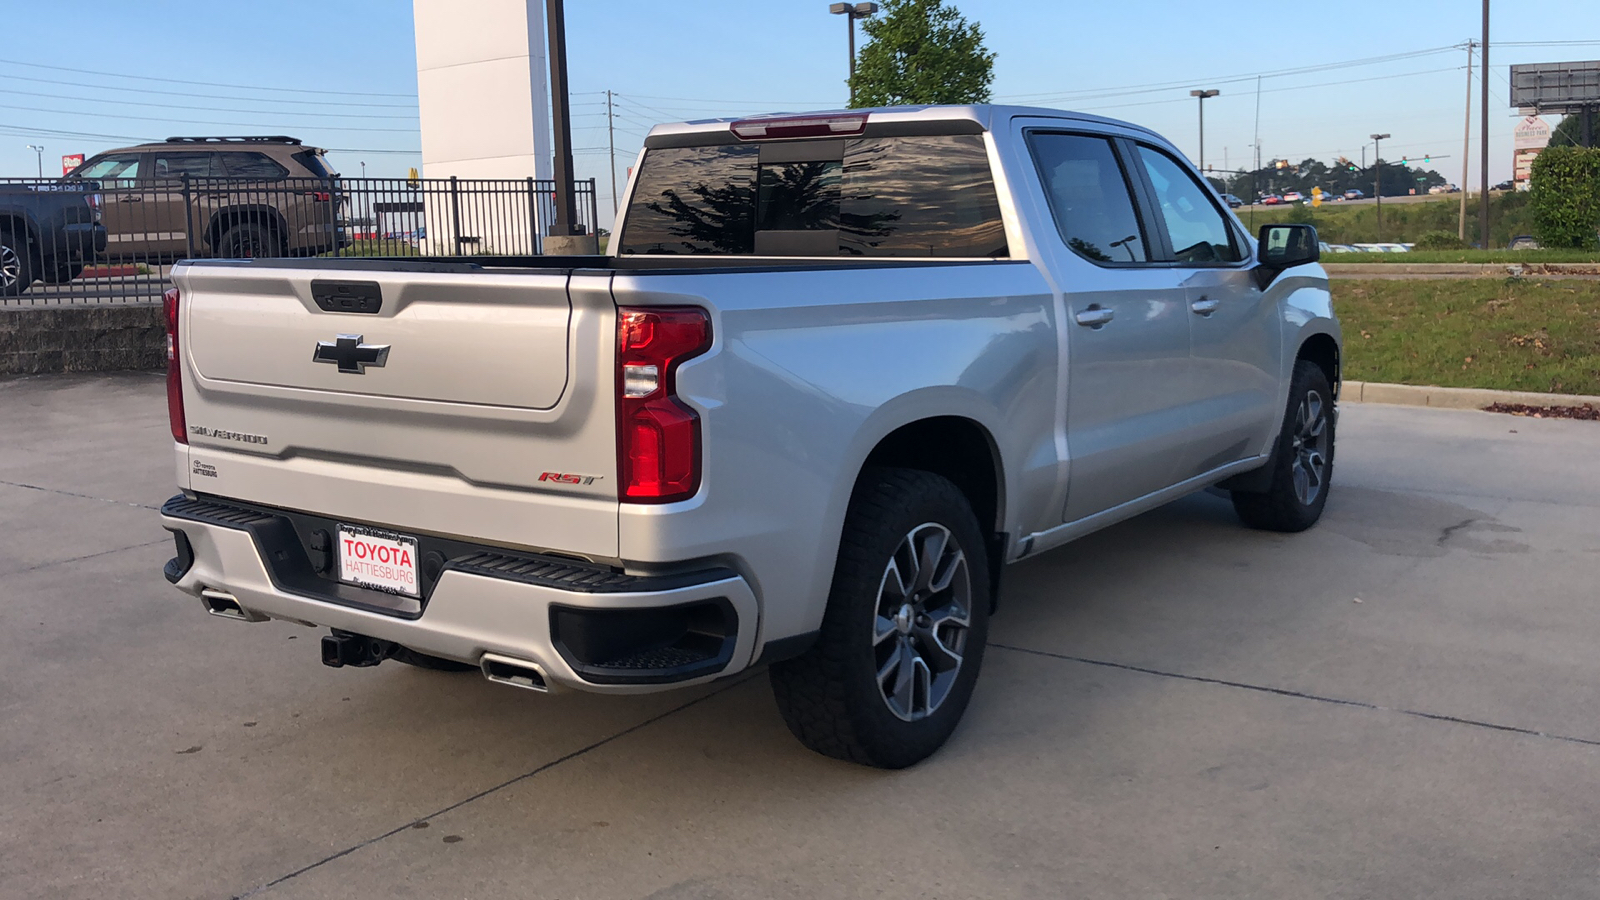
{"type": "Point", "coordinates": [1563, 88]}
{"type": "Point", "coordinates": [71, 161]}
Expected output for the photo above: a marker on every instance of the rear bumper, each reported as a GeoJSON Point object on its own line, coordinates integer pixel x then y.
{"type": "Point", "coordinates": [613, 633]}
{"type": "Point", "coordinates": [84, 240]}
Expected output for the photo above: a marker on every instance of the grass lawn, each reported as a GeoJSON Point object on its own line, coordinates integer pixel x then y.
{"type": "Point", "coordinates": [1468, 256]}
{"type": "Point", "coordinates": [1511, 334]}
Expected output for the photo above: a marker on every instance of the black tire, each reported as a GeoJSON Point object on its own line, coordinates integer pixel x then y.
{"type": "Point", "coordinates": [16, 265]}
{"type": "Point", "coordinates": [249, 241]}
{"type": "Point", "coordinates": [424, 661]}
{"type": "Point", "coordinates": [1303, 462]}
{"type": "Point", "coordinates": [61, 271]}
{"type": "Point", "coordinates": [830, 697]}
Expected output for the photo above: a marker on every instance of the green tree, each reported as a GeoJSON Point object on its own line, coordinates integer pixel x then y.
{"type": "Point", "coordinates": [922, 51]}
{"type": "Point", "coordinates": [1565, 195]}
{"type": "Point", "coordinates": [1570, 132]}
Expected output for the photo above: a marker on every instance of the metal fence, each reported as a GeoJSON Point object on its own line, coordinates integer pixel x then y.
{"type": "Point", "coordinates": [98, 242]}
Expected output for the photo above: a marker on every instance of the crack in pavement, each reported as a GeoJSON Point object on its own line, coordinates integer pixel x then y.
{"type": "Point", "coordinates": [1285, 692]}
{"type": "Point", "coordinates": [49, 490]}
{"type": "Point", "coordinates": [487, 791]}
{"type": "Point", "coordinates": [73, 559]}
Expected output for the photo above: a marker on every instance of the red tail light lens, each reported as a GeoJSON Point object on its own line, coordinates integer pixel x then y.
{"type": "Point", "coordinates": [658, 436]}
{"type": "Point", "coordinates": [323, 196]}
{"type": "Point", "coordinates": [180, 431]}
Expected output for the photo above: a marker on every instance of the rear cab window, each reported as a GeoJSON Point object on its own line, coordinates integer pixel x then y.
{"type": "Point", "coordinates": [913, 196]}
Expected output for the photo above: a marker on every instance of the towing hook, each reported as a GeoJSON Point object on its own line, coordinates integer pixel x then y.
{"type": "Point", "coordinates": [342, 648]}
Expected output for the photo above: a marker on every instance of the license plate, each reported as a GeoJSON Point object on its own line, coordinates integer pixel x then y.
{"type": "Point", "coordinates": [378, 559]}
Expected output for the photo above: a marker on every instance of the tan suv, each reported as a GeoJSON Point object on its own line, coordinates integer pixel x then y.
{"type": "Point", "coordinates": [231, 197]}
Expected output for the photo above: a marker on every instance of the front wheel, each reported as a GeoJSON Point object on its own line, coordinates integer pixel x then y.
{"type": "Point", "coordinates": [1302, 466]}
{"type": "Point", "coordinates": [903, 636]}
{"type": "Point", "coordinates": [16, 269]}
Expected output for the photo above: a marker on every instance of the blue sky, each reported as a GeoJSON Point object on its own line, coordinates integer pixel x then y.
{"type": "Point", "coordinates": [342, 73]}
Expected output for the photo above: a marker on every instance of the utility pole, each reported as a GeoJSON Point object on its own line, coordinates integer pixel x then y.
{"type": "Point", "coordinates": [1483, 192]}
{"type": "Point", "coordinates": [1202, 95]}
{"type": "Point", "coordinates": [1466, 150]}
{"type": "Point", "coordinates": [611, 145]}
{"type": "Point", "coordinates": [1377, 184]}
{"type": "Point", "coordinates": [1258, 122]}
{"type": "Point", "coordinates": [566, 198]}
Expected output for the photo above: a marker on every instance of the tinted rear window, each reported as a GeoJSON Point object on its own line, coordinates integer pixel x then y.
{"type": "Point", "coordinates": [254, 166]}
{"type": "Point", "coordinates": [928, 196]}
{"type": "Point", "coordinates": [313, 163]}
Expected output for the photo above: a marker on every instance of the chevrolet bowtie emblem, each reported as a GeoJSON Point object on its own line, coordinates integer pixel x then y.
{"type": "Point", "coordinates": [350, 354]}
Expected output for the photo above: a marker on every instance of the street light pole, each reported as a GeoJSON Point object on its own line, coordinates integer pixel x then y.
{"type": "Point", "coordinates": [852, 12]}
{"type": "Point", "coordinates": [1377, 184]}
{"type": "Point", "coordinates": [1202, 95]}
{"type": "Point", "coordinates": [38, 151]}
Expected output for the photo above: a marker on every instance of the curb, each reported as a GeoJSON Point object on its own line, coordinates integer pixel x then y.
{"type": "Point", "coordinates": [1452, 398]}
{"type": "Point", "coordinates": [1527, 270]}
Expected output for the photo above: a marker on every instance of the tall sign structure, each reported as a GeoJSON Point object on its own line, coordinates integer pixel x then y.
{"type": "Point", "coordinates": [483, 97]}
{"type": "Point", "coordinates": [1530, 136]}
{"type": "Point", "coordinates": [1569, 88]}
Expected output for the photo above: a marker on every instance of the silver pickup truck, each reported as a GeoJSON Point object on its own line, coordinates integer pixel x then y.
{"type": "Point", "coordinates": [837, 371]}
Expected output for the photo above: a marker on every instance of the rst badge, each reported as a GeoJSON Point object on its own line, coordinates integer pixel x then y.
{"type": "Point", "coordinates": [569, 478]}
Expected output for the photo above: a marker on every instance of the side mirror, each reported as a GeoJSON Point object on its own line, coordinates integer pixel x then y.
{"type": "Point", "coordinates": [1286, 246]}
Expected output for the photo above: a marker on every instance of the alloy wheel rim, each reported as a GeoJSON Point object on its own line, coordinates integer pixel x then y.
{"type": "Point", "coordinates": [10, 266]}
{"type": "Point", "coordinates": [1309, 468]}
{"type": "Point", "coordinates": [921, 621]}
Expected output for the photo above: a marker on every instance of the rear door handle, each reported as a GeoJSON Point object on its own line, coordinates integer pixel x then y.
{"type": "Point", "coordinates": [1204, 306]}
{"type": "Point", "coordinates": [1095, 316]}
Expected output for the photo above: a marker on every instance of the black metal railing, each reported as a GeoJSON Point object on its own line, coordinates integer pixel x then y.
{"type": "Point", "coordinates": [94, 242]}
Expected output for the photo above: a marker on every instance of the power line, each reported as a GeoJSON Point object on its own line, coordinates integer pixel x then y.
{"type": "Point", "coordinates": [73, 112]}
{"type": "Point", "coordinates": [144, 90]}
{"type": "Point", "coordinates": [1153, 87]}
{"type": "Point", "coordinates": [246, 87]}
{"type": "Point", "coordinates": [192, 106]}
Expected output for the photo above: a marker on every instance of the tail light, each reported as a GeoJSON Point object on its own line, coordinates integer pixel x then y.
{"type": "Point", "coordinates": [321, 196]}
{"type": "Point", "coordinates": [658, 436]}
{"type": "Point", "coordinates": [774, 127]}
{"type": "Point", "coordinates": [180, 431]}
{"type": "Point", "coordinates": [95, 204]}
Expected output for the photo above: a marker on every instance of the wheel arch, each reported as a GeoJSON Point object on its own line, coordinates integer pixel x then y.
{"type": "Point", "coordinates": [963, 449]}
{"type": "Point", "coordinates": [245, 214]}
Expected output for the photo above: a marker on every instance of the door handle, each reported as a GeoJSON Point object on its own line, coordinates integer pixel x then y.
{"type": "Point", "coordinates": [1205, 306]}
{"type": "Point", "coordinates": [1095, 316]}
{"type": "Point", "coordinates": [131, 198]}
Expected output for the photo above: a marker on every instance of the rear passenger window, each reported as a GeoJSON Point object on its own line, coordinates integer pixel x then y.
{"type": "Point", "coordinates": [254, 166]}
{"type": "Point", "coordinates": [1198, 230]}
{"type": "Point", "coordinates": [910, 196]}
{"type": "Point", "coordinates": [172, 166]}
{"type": "Point", "coordinates": [1089, 197]}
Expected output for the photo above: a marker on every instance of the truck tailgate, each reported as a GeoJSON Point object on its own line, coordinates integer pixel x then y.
{"type": "Point", "coordinates": [491, 381]}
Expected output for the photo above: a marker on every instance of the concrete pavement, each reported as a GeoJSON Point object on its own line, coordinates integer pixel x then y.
{"type": "Point", "coordinates": [1174, 707]}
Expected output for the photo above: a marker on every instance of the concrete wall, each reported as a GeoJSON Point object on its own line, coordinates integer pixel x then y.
{"type": "Point", "coordinates": [43, 341]}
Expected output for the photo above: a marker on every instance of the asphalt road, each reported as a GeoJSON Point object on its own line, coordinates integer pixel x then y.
{"type": "Point", "coordinates": [1174, 707]}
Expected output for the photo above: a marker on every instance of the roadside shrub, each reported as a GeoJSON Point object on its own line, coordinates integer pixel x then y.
{"type": "Point", "coordinates": [1440, 240]}
{"type": "Point", "coordinates": [1565, 195]}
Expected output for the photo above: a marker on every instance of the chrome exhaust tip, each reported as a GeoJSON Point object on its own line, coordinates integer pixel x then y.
{"type": "Point", "coordinates": [226, 605]}
{"type": "Point", "coordinates": [515, 672]}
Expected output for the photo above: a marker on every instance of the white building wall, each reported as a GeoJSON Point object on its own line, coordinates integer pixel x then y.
{"type": "Point", "coordinates": [482, 96]}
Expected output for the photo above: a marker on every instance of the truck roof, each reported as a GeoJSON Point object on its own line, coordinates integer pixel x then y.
{"type": "Point", "coordinates": [983, 115]}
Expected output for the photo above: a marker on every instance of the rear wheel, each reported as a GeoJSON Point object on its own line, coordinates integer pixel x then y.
{"type": "Point", "coordinates": [905, 628]}
{"type": "Point", "coordinates": [249, 241]}
{"type": "Point", "coordinates": [16, 269]}
{"type": "Point", "coordinates": [1303, 463]}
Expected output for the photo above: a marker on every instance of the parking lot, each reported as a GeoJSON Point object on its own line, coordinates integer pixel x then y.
{"type": "Point", "coordinates": [1399, 703]}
